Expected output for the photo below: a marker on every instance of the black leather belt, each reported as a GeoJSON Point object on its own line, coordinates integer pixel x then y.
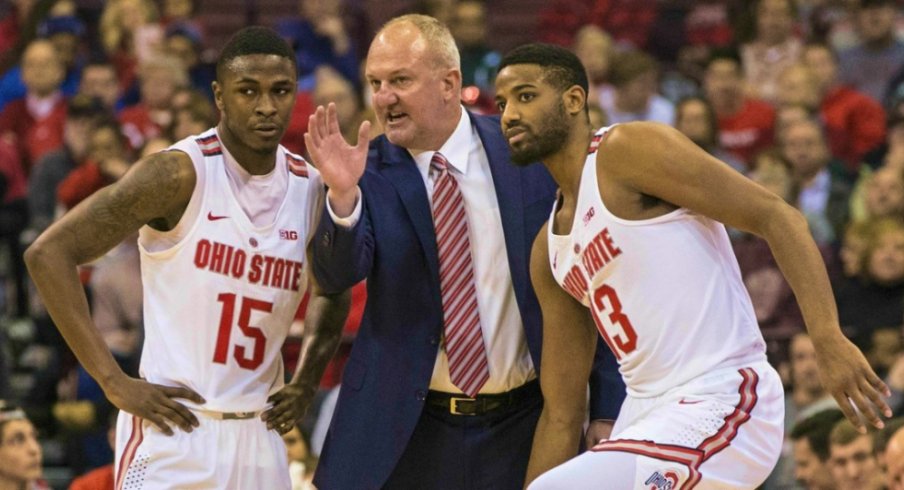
{"type": "Point", "coordinates": [459, 404]}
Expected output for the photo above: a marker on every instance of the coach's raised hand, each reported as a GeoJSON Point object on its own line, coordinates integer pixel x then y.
{"type": "Point", "coordinates": [153, 402]}
{"type": "Point", "coordinates": [340, 164]}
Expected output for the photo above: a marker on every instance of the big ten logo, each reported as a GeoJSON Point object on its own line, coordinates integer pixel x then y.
{"type": "Point", "coordinates": [288, 235]}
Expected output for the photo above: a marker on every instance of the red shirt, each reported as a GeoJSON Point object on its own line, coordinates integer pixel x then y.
{"type": "Point", "coordinates": [627, 21]}
{"type": "Point", "coordinates": [748, 131]}
{"type": "Point", "coordinates": [298, 123]}
{"type": "Point", "coordinates": [34, 137]}
{"type": "Point", "coordinates": [137, 125]}
{"type": "Point", "coordinates": [854, 123]}
{"type": "Point", "coordinates": [99, 479]}
{"type": "Point", "coordinates": [84, 180]}
{"type": "Point", "coordinates": [10, 167]}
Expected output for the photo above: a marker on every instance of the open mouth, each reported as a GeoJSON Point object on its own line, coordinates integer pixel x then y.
{"type": "Point", "coordinates": [394, 117]}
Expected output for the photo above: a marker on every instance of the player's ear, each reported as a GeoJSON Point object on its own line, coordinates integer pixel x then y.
{"type": "Point", "coordinates": [217, 94]}
{"type": "Point", "coordinates": [574, 98]}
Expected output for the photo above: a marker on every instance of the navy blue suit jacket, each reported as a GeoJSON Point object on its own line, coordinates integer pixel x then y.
{"type": "Point", "coordinates": [394, 247]}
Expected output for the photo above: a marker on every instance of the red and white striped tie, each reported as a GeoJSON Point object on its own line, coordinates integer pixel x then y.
{"type": "Point", "coordinates": [468, 367]}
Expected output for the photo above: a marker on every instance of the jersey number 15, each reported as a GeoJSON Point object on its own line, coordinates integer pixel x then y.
{"type": "Point", "coordinates": [224, 333]}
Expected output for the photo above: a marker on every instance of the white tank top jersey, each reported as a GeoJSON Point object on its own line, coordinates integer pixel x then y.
{"type": "Point", "coordinates": [665, 293]}
{"type": "Point", "coordinates": [219, 301]}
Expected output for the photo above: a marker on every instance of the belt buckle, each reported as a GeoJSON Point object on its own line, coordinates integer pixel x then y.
{"type": "Point", "coordinates": [453, 405]}
{"type": "Point", "coordinates": [238, 415]}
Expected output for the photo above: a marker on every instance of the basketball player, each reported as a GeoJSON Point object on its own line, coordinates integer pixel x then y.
{"type": "Point", "coordinates": [636, 237]}
{"type": "Point", "coordinates": [223, 220]}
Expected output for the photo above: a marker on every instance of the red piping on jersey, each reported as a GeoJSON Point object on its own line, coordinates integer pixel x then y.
{"type": "Point", "coordinates": [128, 454]}
{"type": "Point", "coordinates": [694, 457]}
{"type": "Point", "coordinates": [297, 165]}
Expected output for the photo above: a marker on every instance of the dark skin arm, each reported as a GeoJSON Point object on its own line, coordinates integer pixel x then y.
{"type": "Point", "coordinates": [569, 342]}
{"type": "Point", "coordinates": [668, 167]}
{"type": "Point", "coordinates": [323, 322]}
{"type": "Point", "coordinates": [155, 191]}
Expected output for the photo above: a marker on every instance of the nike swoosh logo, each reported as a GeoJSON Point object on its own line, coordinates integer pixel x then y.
{"type": "Point", "coordinates": [211, 217]}
{"type": "Point", "coordinates": [685, 402]}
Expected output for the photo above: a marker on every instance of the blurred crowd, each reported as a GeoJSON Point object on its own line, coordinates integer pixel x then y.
{"type": "Point", "coordinates": [805, 97]}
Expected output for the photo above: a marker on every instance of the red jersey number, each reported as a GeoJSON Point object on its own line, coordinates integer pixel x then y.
{"type": "Point", "coordinates": [224, 334]}
{"type": "Point", "coordinates": [615, 328]}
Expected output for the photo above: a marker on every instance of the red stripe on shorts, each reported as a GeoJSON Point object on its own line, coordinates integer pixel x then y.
{"type": "Point", "coordinates": [694, 457]}
{"type": "Point", "coordinates": [128, 454]}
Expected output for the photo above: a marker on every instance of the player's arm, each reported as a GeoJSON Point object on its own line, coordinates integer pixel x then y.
{"type": "Point", "coordinates": [156, 190]}
{"type": "Point", "coordinates": [323, 322]}
{"type": "Point", "coordinates": [569, 342]}
{"type": "Point", "coordinates": [659, 161]}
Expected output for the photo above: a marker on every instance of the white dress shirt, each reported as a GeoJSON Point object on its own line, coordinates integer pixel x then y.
{"type": "Point", "coordinates": [510, 364]}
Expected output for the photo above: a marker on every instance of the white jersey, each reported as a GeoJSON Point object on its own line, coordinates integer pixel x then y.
{"type": "Point", "coordinates": [665, 293]}
{"type": "Point", "coordinates": [218, 303]}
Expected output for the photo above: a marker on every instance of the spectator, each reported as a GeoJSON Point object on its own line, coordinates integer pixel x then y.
{"type": "Point", "coordinates": [82, 113]}
{"type": "Point", "coordinates": [796, 88]}
{"type": "Point", "coordinates": [635, 78]}
{"type": "Point", "coordinates": [853, 247]}
{"type": "Point", "coordinates": [193, 116]}
{"type": "Point", "coordinates": [870, 65]}
{"type": "Point", "coordinates": [302, 461]}
{"type": "Point", "coordinates": [108, 154]}
{"type": "Point", "coordinates": [855, 123]}
{"type": "Point", "coordinates": [807, 395]}
{"type": "Point", "coordinates": [99, 81]}
{"type": "Point", "coordinates": [773, 49]}
{"type": "Point", "coordinates": [350, 111]}
{"type": "Point", "coordinates": [478, 60]}
{"type": "Point", "coordinates": [746, 123]}
{"type": "Point", "coordinates": [129, 33]}
{"type": "Point", "coordinates": [851, 458]}
{"type": "Point", "coordinates": [873, 299]}
{"type": "Point", "coordinates": [595, 48]}
{"type": "Point", "coordinates": [183, 41]}
{"type": "Point", "coordinates": [35, 122]}
{"type": "Point", "coordinates": [20, 452]}
{"type": "Point", "coordinates": [884, 194]}
{"type": "Point", "coordinates": [65, 33]}
{"type": "Point", "coordinates": [695, 117]}
{"type": "Point", "coordinates": [159, 78]}
{"type": "Point", "coordinates": [319, 36]}
{"type": "Point", "coordinates": [891, 152]}
{"type": "Point", "coordinates": [810, 437]}
{"type": "Point", "coordinates": [823, 188]}
{"type": "Point", "coordinates": [894, 456]}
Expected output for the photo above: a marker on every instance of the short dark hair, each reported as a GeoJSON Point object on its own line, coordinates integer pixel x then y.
{"type": "Point", "coordinates": [816, 429]}
{"type": "Point", "coordinates": [253, 40]}
{"type": "Point", "coordinates": [561, 67]}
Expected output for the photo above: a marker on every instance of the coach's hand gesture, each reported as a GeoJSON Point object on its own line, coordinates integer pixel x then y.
{"type": "Point", "coordinates": [340, 164]}
{"type": "Point", "coordinates": [152, 402]}
{"type": "Point", "coordinates": [846, 374]}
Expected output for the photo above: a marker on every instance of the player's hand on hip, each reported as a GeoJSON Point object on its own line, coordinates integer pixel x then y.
{"type": "Point", "coordinates": [155, 403]}
{"type": "Point", "coordinates": [289, 406]}
{"type": "Point", "coordinates": [847, 375]}
{"type": "Point", "coordinates": [339, 163]}
{"type": "Point", "coordinates": [598, 430]}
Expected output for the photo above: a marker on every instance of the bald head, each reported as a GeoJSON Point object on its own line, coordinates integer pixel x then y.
{"type": "Point", "coordinates": [423, 34]}
{"type": "Point", "coordinates": [42, 69]}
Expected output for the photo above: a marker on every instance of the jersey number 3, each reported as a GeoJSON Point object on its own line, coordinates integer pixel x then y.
{"type": "Point", "coordinates": [221, 353]}
{"type": "Point", "coordinates": [615, 328]}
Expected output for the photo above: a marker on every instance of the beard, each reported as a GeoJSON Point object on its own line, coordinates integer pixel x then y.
{"type": "Point", "coordinates": [548, 139]}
